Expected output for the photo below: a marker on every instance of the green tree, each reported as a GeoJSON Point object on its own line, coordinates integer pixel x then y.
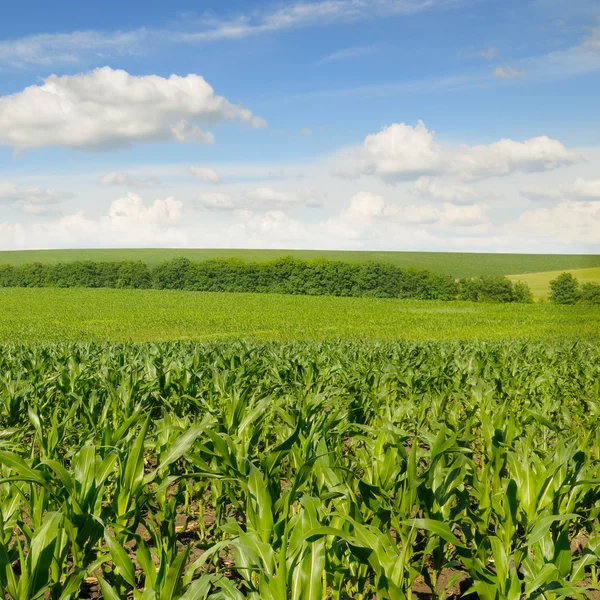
{"type": "Point", "coordinates": [522, 293]}
{"type": "Point", "coordinates": [565, 289]}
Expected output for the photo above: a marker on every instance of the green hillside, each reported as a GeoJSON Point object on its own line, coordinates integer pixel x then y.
{"type": "Point", "coordinates": [458, 264]}
{"type": "Point", "coordinates": [539, 283]}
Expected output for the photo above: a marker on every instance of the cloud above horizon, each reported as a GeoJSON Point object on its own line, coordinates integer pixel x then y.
{"type": "Point", "coordinates": [129, 221]}
{"type": "Point", "coordinates": [260, 199]}
{"type": "Point", "coordinates": [31, 200]}
{"type": "Point", "coordinates": [107, 109]}
{"type": "Point", "coordinates": [402, 152]}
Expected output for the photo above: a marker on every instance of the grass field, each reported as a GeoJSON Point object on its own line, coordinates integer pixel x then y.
{"type": "Point", "coordinates": [458, 264]}
{"type": "Point", "coordinates": [539, 283]}
{"type": "Point", "coordinates": [51, 315]}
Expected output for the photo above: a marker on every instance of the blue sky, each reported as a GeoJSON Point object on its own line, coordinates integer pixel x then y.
{"type": "Point", "coordinates": [393, 124]}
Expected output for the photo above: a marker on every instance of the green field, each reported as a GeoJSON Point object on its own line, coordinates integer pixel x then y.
{"type": "Point", "coordinates": [539, 283]}
{"type": "Point", "coordinates": [457, 264]}
{"type": "Point", "coordinates": [332, 471]}
{"type": "Point", "coordinates": [52, 315]}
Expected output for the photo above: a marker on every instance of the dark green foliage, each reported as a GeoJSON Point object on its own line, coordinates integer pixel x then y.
{"type": "Point", "coordinates": [493, 288]}
{"type": "Point", "coordinates": [522, 293]}
{"type": "Point", "coordinates": [590, 293]}
{"type": "Point", "coordinates": [565, 289]}
{"type": "Point", "coordinates": [7, 276]}
{"type": "Point", "coordinates": [133, 274]}
{"type": "Point", "coordinates": [89, 274]}
{"type": "Point", "coordinates": [287, 275]}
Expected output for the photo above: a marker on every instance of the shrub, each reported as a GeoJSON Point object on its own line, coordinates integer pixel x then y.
{"type": "Point", "coordinates": [173, 275]}
{"type": "Point", "coordinates": [590, 293]}
{"type": "Point", "coordinates": [564, 289]}
{"type": "Point", "coordinates": [522, 293]}
{"type": "Point", "coordinates": [487, 288]}
{"type": "Point", "coordinates": [133, 274]}
{"type": "Point", "coordinates": [8, 276]}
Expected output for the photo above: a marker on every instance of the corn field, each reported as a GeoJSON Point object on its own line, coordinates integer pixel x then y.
{"type": "Point", "coordinates": [300, 471]}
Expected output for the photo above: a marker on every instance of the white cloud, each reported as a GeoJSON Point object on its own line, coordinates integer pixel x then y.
{"type": "Point", "coordinates": [128, 180]}
{"type": "Point", "coordinates": [128, 222]}
{"type": "Point", "coordinates": [263, 198]}
{"type": "Point", "coordinates": [581, 188]}
{"type": "Point", "coordinates": [131, 208]}
{"type": "Point", "coordinates": [372, 219]}
{"type": "Point", "coordinates": [72, 47]}
{"type": "Point", "coordinates": [304, 14]}
{"type": "Point", "coordinates": [349, 54]}
{"type": "Point", "coordinates": [539, 192]}
{"type": "Point", "coordinates": [66, 48]}
{"type": "Point", "coordinates": [474, 215]}
{"type": "Point", "coordinates": [402, 152]}
{"type": "Point", "coordinates": [508, 72]}
{"type": "Point", "coordinates": [205, 174]}
{"type": "Point", "coordinates": [306, 131]}
{"type": "Point", "coordinates": [570, 222]}
{"type": "Point", "coordinates": [365, 205]}
{"type": "Point", "coordinates": [216, 201]}
{"type": "Point", "coordinates": [270, 229]}
{"type": "Point", "coordinates": [454, 194]}
{"type": "Point", "coordinates": [29, 199]}
{"type": "Point", "coordinates": [108, 108]}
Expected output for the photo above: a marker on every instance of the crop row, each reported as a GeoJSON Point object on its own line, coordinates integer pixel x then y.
{"type": "Point", "coordinates": [303, 471]}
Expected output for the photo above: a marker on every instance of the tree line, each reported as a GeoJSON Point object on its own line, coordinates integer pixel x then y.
{"type": "Point", "coordinates": [283, 276]}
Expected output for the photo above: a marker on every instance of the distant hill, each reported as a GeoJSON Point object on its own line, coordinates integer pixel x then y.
{"type": "Point", "coordinates": [539, 283]}
{"type": "Point", "coordinates": [458, 264]}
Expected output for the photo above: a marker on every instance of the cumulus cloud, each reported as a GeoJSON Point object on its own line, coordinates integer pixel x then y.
{"type": "Point", "coordinates": [569, 222]}
{"type": "Point", "coordinates": [204, 173]}
{"type": "Point", "coordinates": [128, 180]}
{"type": "Point", "coordinates": [370, 217]}
{"type": "Point", "coordinates": [106, 109]}
{"type": "Point", "coordinates": [31, 200]}
{"type": "Point", "coordinates": [132, 208]}
{"type": "Point", "coordinates": [128, 222]}
{"type": "Point", "coordinates": [402, 152]}
{"type": "Point", "coordinates": [454, 194]}
{"type": "Point", "coordinates": [508, 72]}
{"type": "Point", "coordinates": [580, 189]}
